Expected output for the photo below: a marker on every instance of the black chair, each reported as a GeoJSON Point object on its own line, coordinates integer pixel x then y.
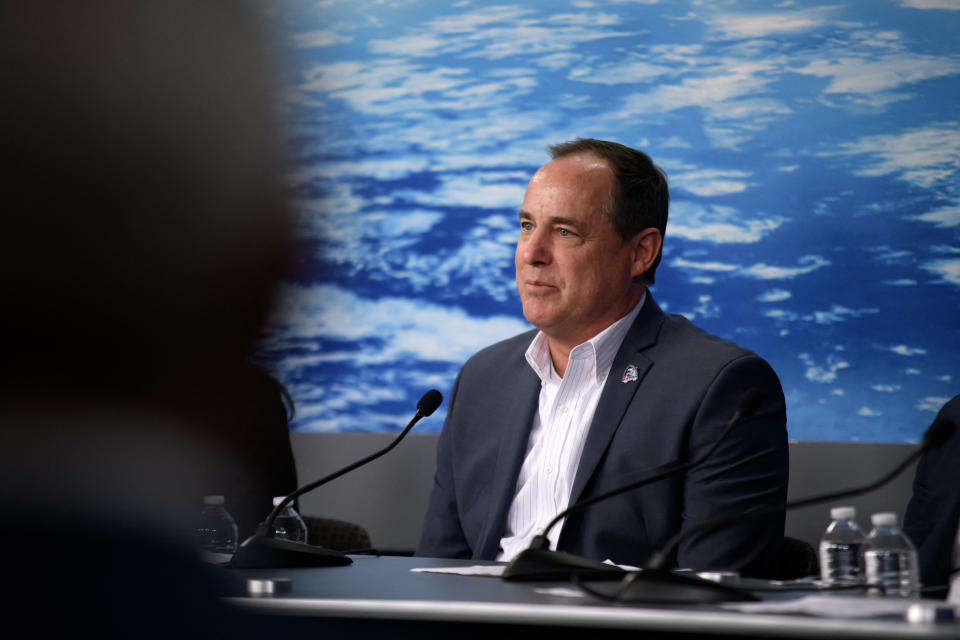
{"type": "Point", "coordinates": [797, 560]}
{"type": "Point", "coordinates": [336, 534]}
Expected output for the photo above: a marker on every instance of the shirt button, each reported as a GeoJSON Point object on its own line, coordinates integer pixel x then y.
{"type": "Point", "coordinates": [549, 469]}
{"type": "Point", "coordinates": [563, 408]}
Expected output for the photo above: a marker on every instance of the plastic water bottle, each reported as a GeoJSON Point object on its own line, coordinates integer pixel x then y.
{"type": "Point", "coordinates": [216, 531]}
{"type": "Point", "coordinates": [288, 524]}
{"type": "Point", "coordinates": [890, 559]}
{"type": "Point", "coordinates": [841, 549]}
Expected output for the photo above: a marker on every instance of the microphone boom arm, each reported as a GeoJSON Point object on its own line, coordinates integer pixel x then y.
{"type": "Point", "coordinates": [268, 523]}
{"type": "Point", "coordinates": [936, 435]}
{"type": "Point", "coordinates": [745, 408]}
{"type": "Point", "coordinates": [263, 550]}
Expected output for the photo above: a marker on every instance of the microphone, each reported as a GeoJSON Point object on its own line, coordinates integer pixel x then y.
{"type": "Point", "coordinates": [262, 550]}
{"type": "Point", "coordinates": [938, 433]}
{"type": "Point", "coordinates": [657, 584]}
{"type": "Point", "coordinates": [538, 562]}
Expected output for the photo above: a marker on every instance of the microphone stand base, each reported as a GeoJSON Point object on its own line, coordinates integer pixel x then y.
{"type": "Point", "coordinates": [261, 552]}
{"type": "Point", "coordinates": [666, 587]}
{"type": "Point", "coordinates": [542, 564]}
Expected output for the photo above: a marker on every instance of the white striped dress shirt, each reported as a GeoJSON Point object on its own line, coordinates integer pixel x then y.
{"type": "Point", "coordinates": [559, 432]}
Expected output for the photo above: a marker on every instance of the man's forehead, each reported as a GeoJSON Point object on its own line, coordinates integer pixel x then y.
{"type": "Point", "coordinates": [580, 175]}
{"type": "Point", "coordinates": [580, 162]}
{"type": "Point", "coordinates": [575, 178]}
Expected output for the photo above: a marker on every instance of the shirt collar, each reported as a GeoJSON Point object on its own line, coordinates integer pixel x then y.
{"type": "Point", "coordinates": [603, 346]}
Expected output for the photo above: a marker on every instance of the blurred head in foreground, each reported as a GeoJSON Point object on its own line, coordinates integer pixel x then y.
{"type": "Point", "coordinates": [143, 224]}
{"type": "Point", "coordinates": [142, 230]}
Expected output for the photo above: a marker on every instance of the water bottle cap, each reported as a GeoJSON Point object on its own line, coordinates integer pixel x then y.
{"type": "Point", "coordinates": [213, 500]}
{"type": "Point", "coordinates": [843, 513]}
{"type": "Point", "coordinates": [886, 519]}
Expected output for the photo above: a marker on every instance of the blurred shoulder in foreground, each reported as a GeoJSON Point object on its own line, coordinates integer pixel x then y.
{"type": "Point", "coordinates": [933, 513]}
{"type": "Point", "coordinates": [143, 229]}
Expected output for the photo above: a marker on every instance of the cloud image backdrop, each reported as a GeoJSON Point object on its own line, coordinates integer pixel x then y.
{"type": "Point", "coordinates": [812, 150]}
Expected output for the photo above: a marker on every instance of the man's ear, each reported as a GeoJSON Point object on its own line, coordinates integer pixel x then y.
{"type": "Point", "coordinates": [646, 247]}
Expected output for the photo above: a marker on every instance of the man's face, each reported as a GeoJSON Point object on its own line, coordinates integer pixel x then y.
{"type": "Point", "coordinates": [574, 272]}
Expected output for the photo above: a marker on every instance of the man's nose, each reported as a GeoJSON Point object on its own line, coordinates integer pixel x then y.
{"type": "Point", "coordinates": [534, 247]}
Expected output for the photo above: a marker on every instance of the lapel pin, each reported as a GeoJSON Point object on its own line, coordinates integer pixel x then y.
{"type": "Point", "coordinates": [630, 374]}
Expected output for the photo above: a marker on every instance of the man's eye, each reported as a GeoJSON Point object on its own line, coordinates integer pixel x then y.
{"type": "Point", "coordinates": [564, 232]}
{"type": "Point", "coordinates": [526, 226]}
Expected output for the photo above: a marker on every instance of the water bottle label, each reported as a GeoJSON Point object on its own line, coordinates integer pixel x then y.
{"type": "Point", "coordinates": [890, 573]}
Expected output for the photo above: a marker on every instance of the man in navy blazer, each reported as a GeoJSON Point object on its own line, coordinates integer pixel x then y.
{"type": "Point", "coordinates": [933, 513]}
{"type": "Point", "coordinates": [591, 231]}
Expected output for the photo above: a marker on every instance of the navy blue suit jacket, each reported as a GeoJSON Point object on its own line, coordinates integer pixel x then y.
{"type": "Point", "coordinates": [933, 513]}
{"type": "Point", "coordinates": [688, 387]}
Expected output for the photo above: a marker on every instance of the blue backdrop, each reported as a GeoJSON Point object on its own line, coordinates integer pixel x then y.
{"type": "Point", "coordinates": [813, 152]}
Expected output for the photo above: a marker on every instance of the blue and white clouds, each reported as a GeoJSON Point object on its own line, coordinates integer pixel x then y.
{"type": "Point", "coordinates": [813, 152]}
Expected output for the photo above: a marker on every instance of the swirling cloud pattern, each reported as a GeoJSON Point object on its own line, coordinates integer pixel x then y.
{"type": "Point", "coordinates": [813, 152]}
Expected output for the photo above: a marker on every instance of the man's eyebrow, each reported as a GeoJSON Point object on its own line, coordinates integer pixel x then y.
{"type": "Point", "coordinates": [570, 222]}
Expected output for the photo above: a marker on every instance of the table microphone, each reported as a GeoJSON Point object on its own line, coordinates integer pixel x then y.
{"type": "Point", "coordinates": [538, 562]}
{"type": "Point", "coordinates": [262, 550]}
{"type": "Point", "coordinates": [657, 584]}
{"type": "Point", "coordinates": [938, 433]}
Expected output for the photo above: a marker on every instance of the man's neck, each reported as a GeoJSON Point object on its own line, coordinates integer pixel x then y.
{"type": "Point", "coordinates": [560, 349]}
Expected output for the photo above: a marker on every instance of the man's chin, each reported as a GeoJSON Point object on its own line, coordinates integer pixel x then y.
{"type": "Point", "coordinates": [540, 318]}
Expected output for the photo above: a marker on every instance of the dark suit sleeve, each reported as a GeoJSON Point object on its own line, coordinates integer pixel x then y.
{"type": "Point", "coordinates": [934, 510]}
{"type": "Point", "coordinates": [442, 535]}
{"type": "Point", "coordinates": [748, 470]}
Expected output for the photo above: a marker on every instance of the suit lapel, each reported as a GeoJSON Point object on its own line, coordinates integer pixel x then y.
{"type": "Point", "coordinates": [617, 395]}
{"type": "Point", "coordinates": [517, 414]}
